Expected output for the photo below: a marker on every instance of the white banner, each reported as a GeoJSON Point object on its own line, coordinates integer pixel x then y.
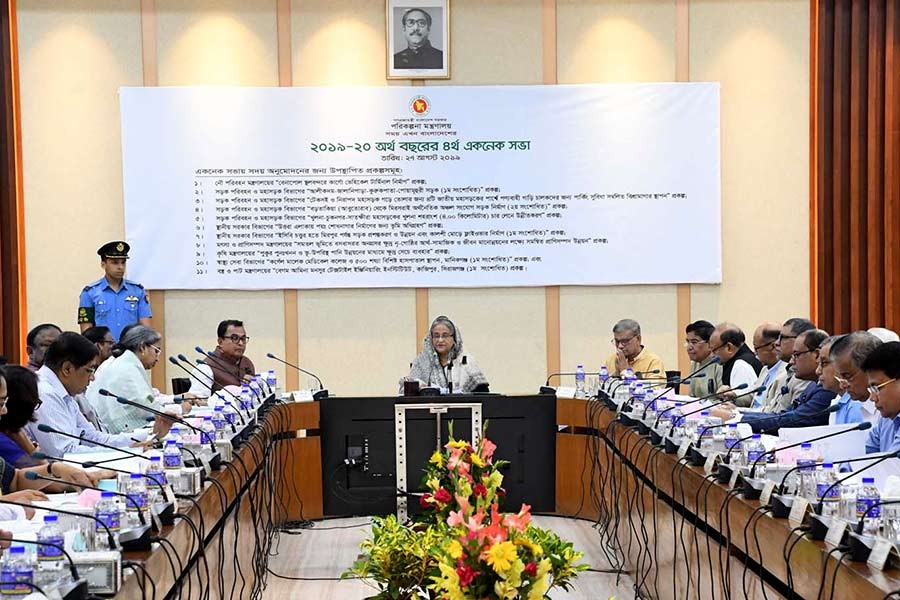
{"type": "Point", "coordinates": [271, 188]}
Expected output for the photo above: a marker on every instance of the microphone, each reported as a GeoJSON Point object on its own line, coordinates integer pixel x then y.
{"type": "Point", "coordinates": [72, 569]}
{"type": "Point", "coordinates": [694, 401]}
{"type": "Point", "coordinates": [128, 499]}
{"type": "Point", "coordinates": [698, 374]}
{"type": "Point", "coordinates": [183, 358]}
{"type": "Point", "coordinates": [221, 363]}
{"type": "Point", "coordinates": [318, 395]}
{"type": "Point", "coordinates": [859, 427]}
{"type": "Point", "coordinates": [121, 400]}
{"type": "Point", "coordinates": [167, 509]}
{"type": "Point", "coordinates": [716, 403]}
{"type": "Point", "coordinates": [109, 535]}
{"type": "Point", "coordinates": [47, 429]}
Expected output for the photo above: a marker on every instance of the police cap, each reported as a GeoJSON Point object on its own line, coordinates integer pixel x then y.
{"type": "Point", "coordinates": [117, 249]}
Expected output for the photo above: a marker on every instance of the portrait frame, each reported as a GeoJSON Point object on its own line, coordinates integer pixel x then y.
{"type": "Point", "coordinates": [404, 63]}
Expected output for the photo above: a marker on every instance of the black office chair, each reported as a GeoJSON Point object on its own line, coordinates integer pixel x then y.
{"type": "Point", "coordinates": [180, 385]}
{"type": "Point", "coordinates": [674, 376]}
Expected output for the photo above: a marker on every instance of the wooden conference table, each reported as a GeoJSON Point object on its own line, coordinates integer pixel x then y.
{"type": "Point", "coordinates": [646, 505]}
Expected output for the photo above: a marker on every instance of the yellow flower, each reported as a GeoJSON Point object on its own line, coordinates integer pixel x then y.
{"type": "Point", "coordinates": [465, 488]}
{"type": "Point", "coordinates": [433, 484]}
{"type": "Point", "coordinates": [476, 460]}
{"type": "Point", "coordinates": [505, 590]}
{"type": "Point", "coordinates": [500, 556]}
{"type": "Point", "coordinates": [543, 567]}
{"type": "Point", "coordinates": [495, 479]}
{"type": "Point", "coordinates": [514, 575]}
{"type": "Point", "coordinates": [437, 459]}
{"type": "Point", "coordinates": [455, 549]}
{"type": "Point", "coordinates": [461, 444]}
{"type": "Point", "coordinates": [531, 546]}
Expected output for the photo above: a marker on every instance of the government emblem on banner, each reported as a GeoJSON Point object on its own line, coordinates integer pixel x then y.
{"type": "Point", "coordinates": [419, 106]}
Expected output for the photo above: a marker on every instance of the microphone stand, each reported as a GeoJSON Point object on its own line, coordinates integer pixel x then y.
{"type": "Point", "coordinates": [322, 393]}
{"type": "Point", "coordinates": [207, 386]}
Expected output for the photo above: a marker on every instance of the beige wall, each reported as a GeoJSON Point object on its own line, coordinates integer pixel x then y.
{"type": "Point", "coordinates": [74, 55]}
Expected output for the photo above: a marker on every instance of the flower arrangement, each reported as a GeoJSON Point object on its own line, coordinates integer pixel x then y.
{"type": "Point", "coordinates": [464, 547]}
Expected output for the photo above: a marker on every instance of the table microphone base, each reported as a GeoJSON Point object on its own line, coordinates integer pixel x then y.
{"type": "Point", "coordinates": [76, 590]}
{"type": "Point", "coordinates": [696, 457]}
{"type": "Point", "coordinates": [753, 488]}
{"type": "Point", "coordinates": [860, 546]}
{"type": "Point", "coordinates": [781, 505]}
{"type": "Point", "coordinates": [166, 512]}
{"type": "Point", "coordinates": [723, 473]}
{"type": "Point", "coordinates": [655, 437]}
{"type": "Point", "coordinates": [136, 539]}
{"type": "Point", "coordinates": [819, 525]}
{"type": "Point", "coordinates": [671, 447]}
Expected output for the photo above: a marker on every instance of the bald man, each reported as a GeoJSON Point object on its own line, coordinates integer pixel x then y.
{"type": "Point", "coordinates": [739, 364]}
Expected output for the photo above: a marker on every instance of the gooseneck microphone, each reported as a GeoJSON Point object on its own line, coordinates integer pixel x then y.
{"type": "Point", "coordinates": [126, 401]}
{"type": "Point", "coordinates": [694, 401]}
{"type": "Point", "coordinates": [72, 569]}
{"type": "Point", "coordinates": [322, 393]}
{"type": "Point", "coordinates": [47, 429]}
{"type": "Point", "coordinates": [128, 499]}
{"type": "Point", "coordinates": [234, 369]}
{"type": "Point", "coordinates": [109, 536]}
{"type": "Point", "coordinates": [184, 359]}
{"type": "Point", "coordinates": [859, 427]}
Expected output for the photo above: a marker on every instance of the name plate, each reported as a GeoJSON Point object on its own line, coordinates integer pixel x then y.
{"type": "Point", "coordinates": [683, 448]}
{"type": "Point", "coordinates": [767, 490]}
{"type": "Point", "coordinates": [798, 509]}
{"type": "Point", "coordinates": [712, 460]}
{"type": "Point", "coordinates": [836, 532]}
{"type": "Point", "coordinates": [880, 553]}
{"type": "Point", "coordinates": [735, 473]}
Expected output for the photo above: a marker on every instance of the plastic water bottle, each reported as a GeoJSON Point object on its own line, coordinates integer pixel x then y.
{"type": "Point", "coordinates": [256, 391]}
{"type": "Point", "coordinates": [139, 500]}
{"type": "Point", "coordinates": [831, 503]}
{"type": "Point", "coordinates": [579, 382]}
{"type": "Point", "coordinates": [868, 497]}
{"type": "Point", "coordinates": [16, 573]}
{"type": "Point", "coordinates": [246, 397]}
{"type": "Point", "coordinates": [50, 558]}
{"type": "Point", "coordinates": [806, 464]}
{"type": "Point", "coordinates": [637, 396]}
{"type": "Point", "coordinates": [175, 436]}
{"type": "Point", "coordinates": [677, 417]}
{"type": "Point", "coordinates": [231, 415]}
{"type": "Point", "coordinates": [107, 512]}
{"type": "Point", "coordinates": [271, 381]}
{"type": "Point", "coordinates": [219, 421]}
{"type": "Point", "coordinates": [603, 377]}
{"type": "Point", "coordinates": [732, 443]}
{"type": "Point", "coordinates": [207, 430]}
{"type": "Point", "coordinates": [172, 456]}
{"type": "Point", "coordinates": [708, 430]}
{"type": "Point", "coordinates": [752, 452]}
{"type": "Point", "coordinates": [156, 471]}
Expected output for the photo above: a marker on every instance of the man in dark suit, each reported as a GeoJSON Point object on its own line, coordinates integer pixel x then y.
{"type": "Point", "coordinates": [419, 54]}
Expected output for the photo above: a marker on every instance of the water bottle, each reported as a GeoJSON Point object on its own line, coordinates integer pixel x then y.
{"type": "Point", "coordinates": [231, 415]}
{"type": "Point", "coordinates": [156, 471]}
{"type": "Point", "coordinates": [175, 436]}
{"type": "Point", "coordinates": [806, 465]}
{"type": "Point", "coordinates": [246, 397]}
{"type": "Point", "coordinates": [271, 381]}
{"type": "Point", "coordinates": [107, 512]}
{"type": "Point", "coordinates": [831, 503]}
{"type": "Point", "coordinates": [752, 452]}
{"type": "Point", "coordinates": [579, 382]}
{"type": "Point", "coordinates": [207, 430]}
{"type": "Point", "coordinates": [256, 391]}
{"type": "Point", "coordinates": [172, 456]}
{"type": "Point", "coordinates": [603, 377]}
{"type": "Point", "coordinates": [139, 500]}
{"type": "Point", "coordinates": [677, 418]}
{"type": "Point", "coordinates": [219, 422]}
{"type": "Point", "coordinates": [16, 573]}
{"type": "Point", "coordinates": [710, 427]}
{"type": "Point", "coordinates": [50, 558]}
{"type": "Point", "coordinates": [732, 444]}
{"type": "Point", "coordinates": [637, 396]}
{"type": "Point", "coordinates": [867, 498]}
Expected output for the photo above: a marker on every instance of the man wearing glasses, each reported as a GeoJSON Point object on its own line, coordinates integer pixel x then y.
{"type": "Point", "coordinates": [764, 339]}
{"type": "Point", "coordinates": [229, 365]}
{"type": "Point", "coordinates": [786, 388]}
{"type": "Point", "coordinates": [419, 53]}
{"type": "Point", "coordinates": [631, 354]}
{"type": "Point", "coordinates": [696, 342]}
{"type": "Point", "coordinates": [850, 410]}
{"type": "Point", "coordinates": [882, 374]}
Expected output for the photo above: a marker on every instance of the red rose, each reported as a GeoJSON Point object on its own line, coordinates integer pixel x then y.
{"type": "Point", "coordinates": [479, 490]}
{"type": "Point", "coordinates": [531, 569]}
{"type": "Point", "coordinates": [423, 501]}
{"type": "Point", "coordinates": [442, 496]}
{"type": "Point", "coordinates": [466, 575]}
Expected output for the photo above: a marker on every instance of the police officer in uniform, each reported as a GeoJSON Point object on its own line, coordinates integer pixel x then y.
{"type": "Point", "coordinates": [112, 300]}
{"type": "Point", "coordinates": [419, 54]}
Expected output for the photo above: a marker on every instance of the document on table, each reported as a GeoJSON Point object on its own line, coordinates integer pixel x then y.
{"type": "Point", "coordinates": [834, 449]}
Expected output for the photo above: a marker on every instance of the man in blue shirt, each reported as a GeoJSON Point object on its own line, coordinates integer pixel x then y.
{"type": "Point", "coordinates": [113, 301]}
{"type": "Point", "coordinates": [882, 369]}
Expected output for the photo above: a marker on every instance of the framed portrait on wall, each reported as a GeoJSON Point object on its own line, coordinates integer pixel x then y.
{"type": "Point", "coordinates": [418, 39]}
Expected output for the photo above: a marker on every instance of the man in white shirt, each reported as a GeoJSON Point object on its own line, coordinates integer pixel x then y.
{"type": "Point", "coordinates": [739, 364]}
